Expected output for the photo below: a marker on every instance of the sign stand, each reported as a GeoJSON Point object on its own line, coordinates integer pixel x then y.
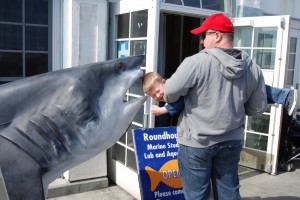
{"type": "Point", "coordinates": [156, 154]}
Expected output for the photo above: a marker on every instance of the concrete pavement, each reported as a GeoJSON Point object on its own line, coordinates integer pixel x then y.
{"type": "Point", "coordinates": [262, 186]}
{"type": "Point", "coordinates": [255, 185]}
{"type": "Point", "coordinates": [111, 193]}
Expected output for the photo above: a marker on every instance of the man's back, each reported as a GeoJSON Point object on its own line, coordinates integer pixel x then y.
{"type": "Point", "coordinates": [219, 89]}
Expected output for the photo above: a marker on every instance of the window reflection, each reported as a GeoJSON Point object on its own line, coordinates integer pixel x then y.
{"type": "Point", "coordinates": [258, 123]}
{"type": "Point", "coordinates": [243, 36]}
{"type": "Point", "coordinates": [290, 77]}
{"type": "Point", "coordinates": [139, 48]}
{"type": "Point", "coordinates": [118, 153]}
{"type": "Point", "coordinates": [140, 115]}
{"type": "Point", "coordinates": [291, 62]}
{"type": "Point", "coordinates": [265, 37]}
{"type": "Point", "coordinates": [139, 23]}
{"type": "Point", "coordinates": [256, 141]}
{"type": "Point", "coordinates": [136, 87]}
{"type": "Point", "coordinates": [293, 44]}
{"type": "Point", "coordinates": [123, 49]}
{"type": "Point", "coordinates": [130, 136]}
{"type": "Point", "coordinates": [123, 139]}
{"type": "Point", "coordinates": [265, 58]}
{"type": "Point", "coordinates": [131, 161]}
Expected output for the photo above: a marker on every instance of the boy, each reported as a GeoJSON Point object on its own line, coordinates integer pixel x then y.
{"type": "Point", "coordinates": [154, 86]}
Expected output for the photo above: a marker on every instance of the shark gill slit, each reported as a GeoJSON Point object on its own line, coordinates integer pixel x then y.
{"type": "Point", "coordinates": [71, 124]}
{"type": "Point", "coordinates": [46, 136]}
{"type": "Point", "coordinates": [40, 125]}
{"type": "Point", "coordinates": [57, 132]}
{"type": "Point", "coordinates": [37, 146]}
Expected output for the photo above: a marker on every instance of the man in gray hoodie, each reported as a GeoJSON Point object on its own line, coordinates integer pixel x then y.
{"type": "Point", "coordinates": [220, 85]}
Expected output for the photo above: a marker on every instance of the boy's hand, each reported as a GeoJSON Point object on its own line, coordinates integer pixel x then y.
{"type": "Point", "coordinates": [158, 110]}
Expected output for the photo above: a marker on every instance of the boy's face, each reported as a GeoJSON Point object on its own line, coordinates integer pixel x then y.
{"type": "Point", "coordinates": [157, 91]}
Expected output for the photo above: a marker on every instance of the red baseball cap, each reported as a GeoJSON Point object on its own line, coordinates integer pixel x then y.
{"type": "Point", "coordinates": [217, 22]}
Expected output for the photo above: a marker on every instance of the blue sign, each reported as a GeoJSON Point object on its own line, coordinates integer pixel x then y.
{"type": "Point", "coordinates": [156, 154]}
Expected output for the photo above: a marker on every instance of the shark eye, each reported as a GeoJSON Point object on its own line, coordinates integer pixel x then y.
{"type": "Point", "coordinates": [120, 66]}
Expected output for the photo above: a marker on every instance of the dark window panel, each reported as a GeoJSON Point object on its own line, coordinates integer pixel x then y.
{"type": "Point", "coordinates": [190, 46]}
{"type": "Point", "coordinates": [139, 23]}
{"type": "Point", "coordinates": [36, 63]}
{"type": "Point", "coordinates": [123, 139]}
{"type": "Point", "coordinates": [136, 87]}
{"type": "Point", "coordinates": [11, 64]}
{"type": "Point", "coordinates": [11, 11]}
{"type": "Point", "coordinates": [192, 3]}
{"type": "Point", "coordinates": [10, 37]}
{"type": "Point", "coordinates": [118, 153]}
{"type": "Point", "coordinates": [131, 161]}
{"type": "Point", "coordinates": [178, 2]}
{"type": "Point", "coordinates": [213, 4]}
{"type": "Point", "coordinates": [36, 12]}
{"type": "Point", "coordinates": [130, 136]}
{"type": "Point", "coordinates": [293, 44]}
{"type": "Point", "coordinates": [173, 30]}
{"type": "Point", "coordinates": [123, 26]}
{"type": "Point", "coordinates": [36, 38]}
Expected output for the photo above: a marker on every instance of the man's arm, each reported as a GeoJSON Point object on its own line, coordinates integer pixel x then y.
{"type": "Point", "coordinates": [171, 108]}
{"type": "Point", "coordinates": [181, 81]}
{"type": "Point", "coordinates": [257, 103]}
{"type": "Point", "coordinates": [176, 107]}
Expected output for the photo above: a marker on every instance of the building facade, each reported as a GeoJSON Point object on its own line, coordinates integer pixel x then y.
{"type": "Point", "coordinates": [38, 36]}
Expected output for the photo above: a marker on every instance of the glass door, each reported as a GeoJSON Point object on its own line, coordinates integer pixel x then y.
{"type": "Point", "coordinates": [133, 24]}
{"type": "Point", "coordinates": [266, 41]}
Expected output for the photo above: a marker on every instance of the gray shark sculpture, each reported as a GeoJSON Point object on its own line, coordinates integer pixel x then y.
{"type": "Point", "coordinates": [52, 122]}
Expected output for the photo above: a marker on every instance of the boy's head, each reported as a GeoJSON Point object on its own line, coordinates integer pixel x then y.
{"type": "Point", "coordinates": [154, 85]}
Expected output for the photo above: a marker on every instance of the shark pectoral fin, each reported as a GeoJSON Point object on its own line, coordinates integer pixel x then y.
{"type": "Point", "coordinates": [22, 176]}
{"type": "Point", "coordinates": [3, 191]}
{"type": "Point", "coordinates": [155, 177]}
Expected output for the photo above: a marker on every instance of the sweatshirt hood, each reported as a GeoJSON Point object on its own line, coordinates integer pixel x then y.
{"type": "Point", "coordinates": [230, 66]}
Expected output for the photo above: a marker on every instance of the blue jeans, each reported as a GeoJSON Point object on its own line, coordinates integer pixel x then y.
{"type": "Point", "coordinates": [277, 95]}
{"type": "Point", "coordinates": [216, 165]}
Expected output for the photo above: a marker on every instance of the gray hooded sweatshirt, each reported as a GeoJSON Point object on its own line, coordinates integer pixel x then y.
{"type": "Point", "coordinates": [218, 91]}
